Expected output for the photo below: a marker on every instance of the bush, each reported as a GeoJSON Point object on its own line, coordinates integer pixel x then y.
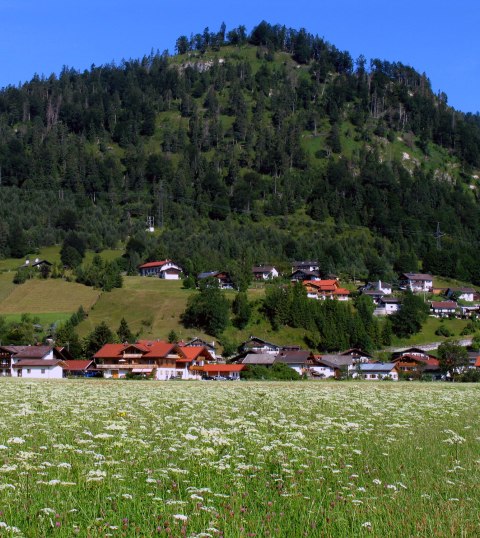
{"type": "Point", "coordinates": [443, 331]}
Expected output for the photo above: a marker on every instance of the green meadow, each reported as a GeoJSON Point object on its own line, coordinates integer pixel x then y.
{"type": "Point", "coordinates": [238, 459]}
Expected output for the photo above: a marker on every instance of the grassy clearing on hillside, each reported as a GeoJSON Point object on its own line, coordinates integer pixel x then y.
{"type": "Point", "coordinates": [237, 460]}
{"type": "Point", "coordinates": [427, 334]}
{"type": "Point", "coordinates": [151, 306]}
{"type": "Point", "coordinates": [52, 254]}
{"type": "Point", "coordinates": [42, 296]}
{"type": "Point", "coordinates": [6, 285]}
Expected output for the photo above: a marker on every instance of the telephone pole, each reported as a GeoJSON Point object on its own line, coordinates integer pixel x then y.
{"type": "Point", "coordinates": [438, 235]}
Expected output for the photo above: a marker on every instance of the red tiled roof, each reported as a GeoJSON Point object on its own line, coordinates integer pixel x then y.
{"type": "Point", "coordinates": [153, 264]}
{"type": "Point", "coordinates": [151, 349]}
{"type": "Point", "coordinates": [192, 353]}
{"type": "Point", "coordinates": [109, 351]}
{"type": "Point", "coordinates": [77, 365]}
{"type": "Point", "coordinates": [341, 291]}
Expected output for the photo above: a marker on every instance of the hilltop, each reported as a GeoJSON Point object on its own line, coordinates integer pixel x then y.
{"type": "Point", "coordinates": [244, 148]}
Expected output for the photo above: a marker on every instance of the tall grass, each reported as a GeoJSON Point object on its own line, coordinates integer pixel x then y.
{"type": "Point", "coordinates": [197, 459]}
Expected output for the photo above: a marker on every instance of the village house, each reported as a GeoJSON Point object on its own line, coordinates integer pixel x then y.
{"type": "Point", "coordinates": [443, 309]}
{"type": "Point", "coordinates": [330, 365]}
{"type": "Point", "coordinates": [387, 306]}
{"type": "Point", "coordinates": [308, 265]}
{"type": "Point", "coordinates": [165, 269]}
{"type": "Point", "coordinates": [463, 294]}
{"type": "Point", "coordinates": [221, 277]}
{"type": "Point", "coordinates": [41, 362]}
{"type": "Point", "coordinates": [258, 359]}
{"type": "Point", "coordinates": [375, 295]}
{"type": "Point", "coordinates": [414, 365]}
{"type": "Point", "coordinates": [301, 274]}
{"type": "Point", "coordinates": [416, 282]}
{"type": "Point", "coordinates": [37, 263]}
{"type": "Point", "coordinates": [325, 289]}
{"type": "Point", "coordinates": [199, 342]}
{"type": "Point", "coordinates": [295, 359]}
{"type": "Point", "coordinates": [257, 345]}
{"type": "Point", "coordinates": [158, 359]}
{"type": "Point", "coordinates": [376, 371]}
{"type": "Point", "coordinates": [265, 272]}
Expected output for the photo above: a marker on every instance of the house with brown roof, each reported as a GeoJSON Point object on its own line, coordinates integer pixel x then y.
{"type": "Point", "coordinates": [443, 309]}
{"type": "Point", "coordinates": [462, 293]}
{"type": "Point", "coordinates": [42, 361]}
{"type": "Point", "coordinates": [265, 272]}
{"type": "Point", "coordinates": [416, 282]}
{"type": "Point", "coordinates": [165, 269]}
{"type": "Point", "coordinates": [296, 359]}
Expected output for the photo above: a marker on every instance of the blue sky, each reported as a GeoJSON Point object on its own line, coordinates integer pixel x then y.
{"type": "Point", "coordinates": [440, 38]}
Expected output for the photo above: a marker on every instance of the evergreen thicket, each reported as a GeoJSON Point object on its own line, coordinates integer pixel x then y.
{"type": "Point", "coordinates": [216, 143]}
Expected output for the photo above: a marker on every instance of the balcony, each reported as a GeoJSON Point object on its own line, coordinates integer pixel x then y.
{"type": "Point", "coordinates": [124, 366]}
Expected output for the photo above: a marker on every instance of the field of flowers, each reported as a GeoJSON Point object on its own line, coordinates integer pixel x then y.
{"type": "Point", "coordinates": [139, 459]}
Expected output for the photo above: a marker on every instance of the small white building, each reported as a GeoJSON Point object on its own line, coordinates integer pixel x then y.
{"type": "Point", "coordinates": [265, 272]}
{"type": "Point", "coordinates": [376, 371]}
{"type": "Point", "coordinates": [464, 294]}
{"type": "Point", "coordinates": [417, 282]}
{"type": "Point", "coordinates": [165, 269]}
{"type": "Point", "coordinates": [38, 368]}
{"type": "Point", "coordinates": [387, 306]}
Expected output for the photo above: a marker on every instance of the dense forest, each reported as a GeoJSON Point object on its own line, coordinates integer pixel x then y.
{"type": "Point", "coordinates": [246, 148]}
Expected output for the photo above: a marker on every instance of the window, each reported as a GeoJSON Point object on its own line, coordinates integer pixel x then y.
{"type": "Point", "coordinates": [29, 370]}
{"type": "Point", "coordinates": [42, 371]}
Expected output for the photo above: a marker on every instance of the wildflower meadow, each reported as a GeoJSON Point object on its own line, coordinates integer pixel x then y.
{"type": "Point", "coordinates": [193, 459]}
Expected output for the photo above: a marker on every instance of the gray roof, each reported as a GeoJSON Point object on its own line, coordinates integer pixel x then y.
{"type": "Point", "coordinates": [335, 361]}
{"type": "Point", "coordinates": [265, 359]}
{"type": "Point", "coordinates": [293, 357]}
{"type": "Point", "coordinates": [376, 367]}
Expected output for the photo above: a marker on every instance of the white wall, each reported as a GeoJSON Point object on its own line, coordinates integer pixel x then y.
{"type": "Point", "coordinates": [35, 372]}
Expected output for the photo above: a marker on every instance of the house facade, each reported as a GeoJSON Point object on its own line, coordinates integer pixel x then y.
{"type": "Point", "coordinates": [325, 289]}
{"type": "Point", "coordinates": [265, 272]}
{"type": "Point", "coordinates": [165, 269]}
{"type": "Point", "coordinates": [442, 309]}
{"type": "Point", "coordinates": [417, 282]}
{"type": "Point", "coordinates": [158, 359]}
{"type": "Point", "coordinates": [376, 371]}
{"type": "Point", "coordinates": [464, 294]}
{"type": "Point", "coordinates": [40, 362]}
{"type": "Point", "coordinates": [222, 277]}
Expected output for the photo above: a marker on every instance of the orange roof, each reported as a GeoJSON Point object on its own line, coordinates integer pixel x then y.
{"type": "Point", "coordinates": [341, 291]}
{"type": "Point", "coordinates": [109, 350]}
{"type": "Point", "coordinates": [153, 264]}
{"type": "Point", "coordinates": [221, 368]}
{"type": "Point", "coordinates": [150, 349]}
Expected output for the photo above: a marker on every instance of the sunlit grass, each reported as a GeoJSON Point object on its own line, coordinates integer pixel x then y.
{"type": "Point", "coordinates": [119, 458]}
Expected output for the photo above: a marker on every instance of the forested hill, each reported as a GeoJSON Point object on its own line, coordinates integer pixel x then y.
{"type": "Point", "coordinates": [246, 148]}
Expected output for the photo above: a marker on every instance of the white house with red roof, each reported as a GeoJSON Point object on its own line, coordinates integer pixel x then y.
{"type": "Point", "coordinates": [165, 269]}
{"type": "Point", "coordinates": [158, 359]}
